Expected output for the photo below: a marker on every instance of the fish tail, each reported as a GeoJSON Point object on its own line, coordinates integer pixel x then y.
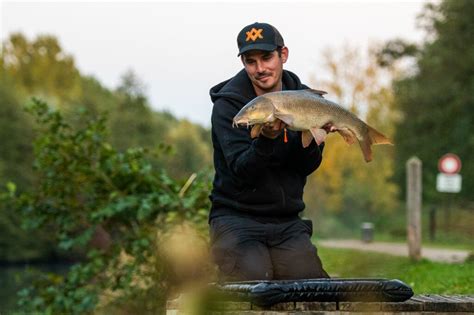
{"type": "Point", "coordinates": [365, 146]}
{"type": "Point", "coordinates": [376, 137]}
{"type": "Point", "coordinates": [372, 137]}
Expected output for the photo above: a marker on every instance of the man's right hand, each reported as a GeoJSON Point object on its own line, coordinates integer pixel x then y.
{"type": "Point", "coordinates": [272, 130]}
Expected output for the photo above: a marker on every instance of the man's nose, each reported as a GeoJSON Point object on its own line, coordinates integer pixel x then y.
{"type": "Point", "coordinates": [260, 67]}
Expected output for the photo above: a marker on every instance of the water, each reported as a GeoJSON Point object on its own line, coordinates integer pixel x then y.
{"type": "Point", "coordinates": [16, 277]}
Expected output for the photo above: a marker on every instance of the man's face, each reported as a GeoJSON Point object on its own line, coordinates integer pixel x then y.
{"type": "Point", "coordinates": [265, 69]}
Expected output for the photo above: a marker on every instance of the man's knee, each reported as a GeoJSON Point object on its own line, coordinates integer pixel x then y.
{"type": "Point", "coordinates": [301, 265]}
{"type": "Point", "coordinates": [248, 270]}
{"type": "Point", "coordinates": [238, 265]}
{"type": "Point", "coordinates": [298, 258]}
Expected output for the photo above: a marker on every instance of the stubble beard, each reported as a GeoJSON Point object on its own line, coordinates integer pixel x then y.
{"type": "Point", "coordinates": [275, 86]}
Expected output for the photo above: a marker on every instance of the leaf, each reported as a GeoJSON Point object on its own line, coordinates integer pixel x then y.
{"type": "Point", "coordinates": [11, 188]}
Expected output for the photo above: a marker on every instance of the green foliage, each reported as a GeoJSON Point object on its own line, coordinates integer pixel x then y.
{"type": "Point", "coordinates": [132, 120]}
{"type": "Point", "coordinates": [15, 136]}
{"type": "Point", "coordinates": [394, 50]}
{"type": "Point", "coordinates": [191, 149]}
{"type": "Point", "coordinates": [34, 245]}
{"type": "Point", "coordinates": [16, 158]}
{"type": "Point", "coordinates": [110, 206]}
{"type": "Point", "coordinates": [39, 67]}
{"type": "Point", "coordinates": [436, 101]}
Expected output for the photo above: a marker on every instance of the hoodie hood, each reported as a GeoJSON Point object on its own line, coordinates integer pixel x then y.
{"type": "Point", "coordinates": [240, 88]}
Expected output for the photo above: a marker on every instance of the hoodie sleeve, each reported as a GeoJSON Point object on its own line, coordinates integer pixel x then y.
{"type": "Point", "coordinates": [306, 160]}
{"type": "Point", "coordinates": [245, 157]}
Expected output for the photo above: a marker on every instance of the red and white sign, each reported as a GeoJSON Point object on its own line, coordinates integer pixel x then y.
{"type": "Point", "coordinates": [449, 164]}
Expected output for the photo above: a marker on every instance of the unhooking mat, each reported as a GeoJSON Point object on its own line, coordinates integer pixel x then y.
{"type": "Point", "coordinates": [266, 293]}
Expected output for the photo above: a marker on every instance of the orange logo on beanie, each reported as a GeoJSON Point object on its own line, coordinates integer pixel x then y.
{"type": "Point", "coordinates": [254, 34]}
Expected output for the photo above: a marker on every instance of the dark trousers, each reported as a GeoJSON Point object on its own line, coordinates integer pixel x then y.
{"type": "Point", "coordinates": [246, 249]}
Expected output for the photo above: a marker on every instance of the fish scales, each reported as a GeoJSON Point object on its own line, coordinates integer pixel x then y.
{"type": "Point", "coordinates": [311, 110]}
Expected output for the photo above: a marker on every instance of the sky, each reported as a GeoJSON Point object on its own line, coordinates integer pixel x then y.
{"type": "Point", "coordinates": [179, 50]}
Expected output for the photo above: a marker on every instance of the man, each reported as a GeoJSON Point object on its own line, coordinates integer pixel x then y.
{"type": "Point", "coordinates": [256, 233]}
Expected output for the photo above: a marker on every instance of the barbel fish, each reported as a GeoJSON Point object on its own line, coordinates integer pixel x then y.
{"type": "Point", "coordinates": [307, 111]}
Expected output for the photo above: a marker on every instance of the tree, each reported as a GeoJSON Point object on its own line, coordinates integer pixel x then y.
{"type": "Point", "coordinates": [131, 119]}
{"type": "Point", "coordinates": [191, 153]}
{"type": "Point", "coordinates": [113, 207]}
{"type": "Point", "coordinates": [436, 99]}
{"type": "Point", "coordinates": [16, 135]}
{"type": "Point", "coordinates": [344, 184]}
{"type": "Point", "coordinates": [41, 67]}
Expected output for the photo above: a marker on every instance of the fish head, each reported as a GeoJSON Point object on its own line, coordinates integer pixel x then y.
{"type": "Point", "coordinates": [258, 111]}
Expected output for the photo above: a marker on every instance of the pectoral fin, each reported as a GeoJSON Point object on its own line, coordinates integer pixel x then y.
{"type": "Point", "coordinates": [286, 118]}
{"type": "Point", "coordinates": [256, 129]}
{"type": "Point", "coordinates": [319, 135]}
{"type": "Point", "coordinates": [306, 138]}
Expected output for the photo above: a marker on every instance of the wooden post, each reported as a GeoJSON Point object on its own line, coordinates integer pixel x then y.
{"type": "Point", "coordinates": [414, 200]}
{"type": "Point", "coordinates": [432, 223]}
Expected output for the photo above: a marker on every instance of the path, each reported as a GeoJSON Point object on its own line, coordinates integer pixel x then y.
{"type": "Point", "coordinates": [400, 249]}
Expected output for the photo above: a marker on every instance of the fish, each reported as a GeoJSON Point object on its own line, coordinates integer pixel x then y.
{"type": "Point", "coordinates": [309, 112]}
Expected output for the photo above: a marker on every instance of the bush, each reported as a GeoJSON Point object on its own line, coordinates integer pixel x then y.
{"type": "Point", "coordinates": [110, 208]}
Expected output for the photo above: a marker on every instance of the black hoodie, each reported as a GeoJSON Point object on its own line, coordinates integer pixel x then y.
{"type": "Point", "coordinates": [259, 177]}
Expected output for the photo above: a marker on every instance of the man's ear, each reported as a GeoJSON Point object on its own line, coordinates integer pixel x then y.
{"type": "Point", "coordinates": [284, 54]}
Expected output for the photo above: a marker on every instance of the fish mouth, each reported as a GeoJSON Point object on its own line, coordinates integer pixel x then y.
{"type": "Point", "coordinates": [245, 121]}
{"type": "Point", "coordinates": [242, 122]}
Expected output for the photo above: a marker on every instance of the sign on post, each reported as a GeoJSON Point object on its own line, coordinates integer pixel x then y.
{"type": "Point", "coordinates": [449, 180]}
{"type": "Point", "coordinates": [449, 164]}
{"type": "Point", "coordinates": [448, 183]}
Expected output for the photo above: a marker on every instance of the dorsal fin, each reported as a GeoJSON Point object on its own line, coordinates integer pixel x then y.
{"type": "Point", "coordinates": [319, 92]}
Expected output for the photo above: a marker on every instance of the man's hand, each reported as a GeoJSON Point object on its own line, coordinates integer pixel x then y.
{"type": "Point", "coordinates": [272, 130]}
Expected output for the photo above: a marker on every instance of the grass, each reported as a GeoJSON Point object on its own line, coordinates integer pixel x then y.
{"type": "Point", "coordinates": [424, 277]}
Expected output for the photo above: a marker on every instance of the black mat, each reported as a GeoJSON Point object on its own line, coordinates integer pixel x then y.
{"type": "Point", "coordinates": [266, 293]}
